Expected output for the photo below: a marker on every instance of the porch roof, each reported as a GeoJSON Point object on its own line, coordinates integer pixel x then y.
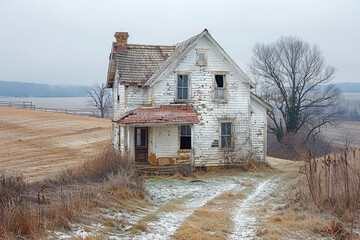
{"type": "Point", "coordinates": [159, 115]}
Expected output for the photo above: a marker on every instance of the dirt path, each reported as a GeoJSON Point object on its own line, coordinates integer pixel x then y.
{"type": "Point", "coordinates": [39, 144]}
{"type": "Point", "coordinates": [246, 223]}
{"type": "Point", "coordinates": [214, 206]}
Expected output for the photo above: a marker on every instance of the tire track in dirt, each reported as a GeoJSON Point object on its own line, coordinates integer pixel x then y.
{"type": "Point", "coordinates": [169, 222]}
{"type": "Point", "coordinates": [244, 216]}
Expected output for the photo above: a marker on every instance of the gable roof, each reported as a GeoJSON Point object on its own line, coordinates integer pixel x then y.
{"type": "Point", "coordinates": [160, 115]}
{"type": "Point", "coordinates": [143, 65]}
{"type": "Point", "coordinates": [180, 48]}
{"type": "Point", "coordinates": [183, 48]}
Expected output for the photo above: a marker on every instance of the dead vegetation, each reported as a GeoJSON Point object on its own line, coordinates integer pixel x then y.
{"type": "Point", "coordinates": [205, 224]}
{"type": "Point", "coordinates": [76, 196]}
{"type": "Point", "coordinates": [212, 221]}
{"type": "Point", "coordinates": [333, 184]}
{"type": "Point", "coordinates": [322, 200]}
{"type": "Point", "coordinates": [250, 164]}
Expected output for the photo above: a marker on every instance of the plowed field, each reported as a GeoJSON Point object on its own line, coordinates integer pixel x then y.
{"type": "Point", "coordinates": [39, 144]}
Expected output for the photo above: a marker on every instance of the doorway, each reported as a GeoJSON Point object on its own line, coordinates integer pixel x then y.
{"type": "Point", "coordinates": [141, 144]}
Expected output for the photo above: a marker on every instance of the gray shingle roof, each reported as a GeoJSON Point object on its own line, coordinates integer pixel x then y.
{"type": "Point", "coordinates": [140, 64]}
{"type": "Point", "coordinates": [136, 63]}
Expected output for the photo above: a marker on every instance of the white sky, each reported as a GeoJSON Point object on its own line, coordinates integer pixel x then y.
{"type": "Point", "coordinates": [68, 41]}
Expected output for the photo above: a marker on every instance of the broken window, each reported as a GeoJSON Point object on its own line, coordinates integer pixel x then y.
{"type": "Point", "coordinates": [185, 137]}
{"type": "Point", "coordinates": [225, 135]}
{"type": "Point", "coordinates": [182, 87]}
{"type": "Point", "coordinates": [220, 87]}
{"type": "Point", "coordinates": [201, 57]}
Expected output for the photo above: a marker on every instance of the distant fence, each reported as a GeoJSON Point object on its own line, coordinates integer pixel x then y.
{"type": "Point", "coordinates": [17, 104]}
{"type": "Point", "coordinates": [91, 112]}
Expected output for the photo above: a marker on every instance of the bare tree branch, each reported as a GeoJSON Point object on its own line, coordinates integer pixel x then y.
{"type": "Point", "coordinates": [100, 98]}
{"type": "Point", "coordinates": [293, 77]}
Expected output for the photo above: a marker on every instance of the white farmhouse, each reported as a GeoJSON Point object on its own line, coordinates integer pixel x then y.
{"type": "Point", "coordinates": [184, 104]}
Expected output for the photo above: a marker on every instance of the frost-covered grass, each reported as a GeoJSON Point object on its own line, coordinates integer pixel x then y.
{"type": "Point", "coordinates": [233, 206]}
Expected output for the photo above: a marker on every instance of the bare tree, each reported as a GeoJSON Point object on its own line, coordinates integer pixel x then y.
{"type": "Point", "coordinates": [100, 98]}
{"type": "Point", "coordinates": [293, 75]}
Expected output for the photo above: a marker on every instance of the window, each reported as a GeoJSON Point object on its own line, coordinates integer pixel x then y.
{"type": "Point", "coordinates": [225, 135]}
{"type": "Point", "coordinates": [185, 137]}
{"type": "Point", "coordinates": [220, 87]}
{"type": "Point", "coordinates": [182, 87]}
{"type": "Point", "coordinates": [118, 93]}
{"type": "Point", "coordinates": [201, 57]}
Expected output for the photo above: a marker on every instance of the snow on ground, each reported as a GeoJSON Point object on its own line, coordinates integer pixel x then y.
{"type": "Point", "coordinates": [245, 221]}
{"type": "Point", "coordinates": [201, 193]}
{"type": "Point", "coordinates": [195, 194]}
{"type": "Point", "coordinates": [165, 191]}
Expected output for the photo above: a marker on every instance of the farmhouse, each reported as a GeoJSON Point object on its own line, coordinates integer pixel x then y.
{"type": "Point", "coordinates": [189, 103]}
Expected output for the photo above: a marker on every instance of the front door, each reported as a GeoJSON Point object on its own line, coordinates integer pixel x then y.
{"type": "Point", "coordinates": [141, 146]}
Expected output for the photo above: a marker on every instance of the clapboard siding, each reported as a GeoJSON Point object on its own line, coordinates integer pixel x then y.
{"type": "Point", "coordinates": [258, 129]}
{"type": "Point", "coordinates": [163, 141]}
{"type": "Point", "coordinates": [201, 97]}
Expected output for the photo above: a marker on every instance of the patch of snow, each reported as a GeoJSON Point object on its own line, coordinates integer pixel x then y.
{"type": "Point", "coordinates": [245, 220]}
{"type": "Point", "coordinates": [164, 191]}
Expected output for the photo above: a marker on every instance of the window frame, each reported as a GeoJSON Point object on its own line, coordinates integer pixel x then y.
{"type": "Point", "coordinates": [188, 87]}
{"type": "Point", "coordinates": [118, 93]}
{"type": "Point", "coordinates": [225, 87]}
{"type": "Point", "coordinates": [231, 135]}
{"type": "Point", "coordinates": [205, 51]}
{"type": "Point", "coordinates": [180, 136]}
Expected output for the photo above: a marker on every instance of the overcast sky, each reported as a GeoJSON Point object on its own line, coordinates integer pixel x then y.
{"type": "Point", "coordinates": [68, 41]}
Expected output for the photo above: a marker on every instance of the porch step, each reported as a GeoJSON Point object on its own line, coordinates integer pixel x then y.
{"type": "Point", "coordinates": [151, 170]}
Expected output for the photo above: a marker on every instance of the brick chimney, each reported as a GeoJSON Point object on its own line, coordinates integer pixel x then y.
{"type": "Point", "coordinates": [121, 39]}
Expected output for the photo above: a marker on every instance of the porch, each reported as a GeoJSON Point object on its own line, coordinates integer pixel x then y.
{"type": "Point", "coordinates": [159, 140]}
{"type": "Point", "coordinates": [150, 170]}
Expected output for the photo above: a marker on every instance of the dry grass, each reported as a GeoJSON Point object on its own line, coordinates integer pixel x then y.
{"type": "Point", "coordinates": [205, 224]}
{"type": "Point", "coordinates": [291, 222]}
{"type": "Point", "coordinates": [212, 221]}
{"type": "Point", "coordinates": [232, 196]}
{"type": "Point", "coordinates": [28, 209]}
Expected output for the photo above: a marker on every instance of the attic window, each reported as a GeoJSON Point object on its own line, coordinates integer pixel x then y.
{"type": "Point", "coordinates": [201, 57]}
{"type": "Point", "coordinates": [220, 86]}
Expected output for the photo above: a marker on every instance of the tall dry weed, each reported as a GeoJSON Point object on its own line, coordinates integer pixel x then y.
{"type": "Point", "coordinates": [27, 210]}
{"type": "Point", "coordinates": [333, 183]}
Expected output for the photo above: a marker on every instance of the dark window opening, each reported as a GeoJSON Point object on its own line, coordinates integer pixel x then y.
{"type": "Point", "coordinates": [185, 137]}
{"type": "Point", "coordinates": [225, 135]}
{"type": "Point", "coordinates": [219, 81]}
{"type": "Point", "coordinates": [182, 87]}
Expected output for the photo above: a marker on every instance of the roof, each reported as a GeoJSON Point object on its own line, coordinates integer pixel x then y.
{"type": "Point", "coordinates": [160, 115]}
{"type": "Point", "coordinates": [180, 48]}
{"type": "Point", "coordinates": [142, 65]}
{"type": "Point", "coordinates": [262, 102]}
{"type": "Point", "coordinates": [136, 63]}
